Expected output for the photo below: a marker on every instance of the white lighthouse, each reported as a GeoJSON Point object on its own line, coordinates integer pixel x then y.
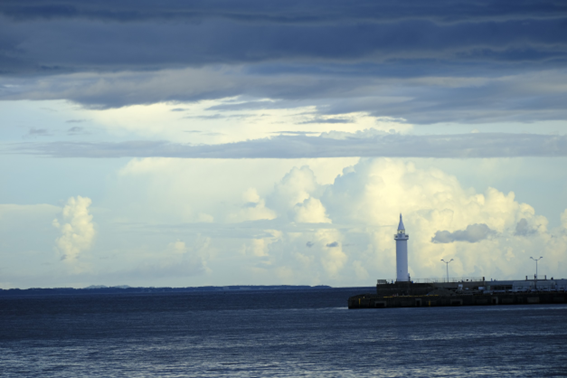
{"type": "Point", "coordinates": [401, 253]}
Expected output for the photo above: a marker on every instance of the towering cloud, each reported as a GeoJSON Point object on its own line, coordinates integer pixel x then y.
{"type": "Point", "coordinates": [77, 228]}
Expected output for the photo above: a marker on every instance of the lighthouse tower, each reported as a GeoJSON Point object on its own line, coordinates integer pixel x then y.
{"type": "Point", "coordinates": [401, 253]}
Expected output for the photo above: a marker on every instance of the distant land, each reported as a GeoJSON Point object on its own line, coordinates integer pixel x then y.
{"type": "Point", "coordinates": [101, 289]}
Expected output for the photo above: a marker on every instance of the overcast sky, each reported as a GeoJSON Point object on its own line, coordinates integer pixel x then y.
{"type": "Point", "coordinates": [257, 142]}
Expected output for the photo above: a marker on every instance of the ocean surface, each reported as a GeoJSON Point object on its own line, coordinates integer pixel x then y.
{"type": "Point", "coordinates": [276, 334]}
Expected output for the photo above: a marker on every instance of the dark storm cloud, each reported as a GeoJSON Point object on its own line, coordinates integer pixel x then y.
{"type": "Point", "coordinates": [480, 145]}
{"type": "Point", "coordinates": [380, 57]}
{"type": "Point", "coordinates": [269, 11]}
{"type": "Point", "coordinates": [64, 46]}
{"type": "Point", "coordinates": [472, 234]}
{"type": "Point", "coordinates": [69, 36]}
{"type": "Point", "coordinates": [523, 97]}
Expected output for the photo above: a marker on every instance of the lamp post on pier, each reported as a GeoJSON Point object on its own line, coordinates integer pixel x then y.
{"type": "Point", "coordinates": [447, 263]}
{"type": "Point", "coordinates": [535, 277]}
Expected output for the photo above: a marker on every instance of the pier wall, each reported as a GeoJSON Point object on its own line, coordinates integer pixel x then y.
{"type": "Point", "coordinates": [376, 301]}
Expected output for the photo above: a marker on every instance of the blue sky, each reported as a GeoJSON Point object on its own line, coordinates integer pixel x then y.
{"type": "Point", "coordinates": [197, 143]}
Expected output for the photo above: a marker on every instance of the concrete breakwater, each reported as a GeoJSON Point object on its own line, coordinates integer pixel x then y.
{"type": "Point", "coordinates": [376, 301]}
{"type": "Point", "coordinates": [462, 293]}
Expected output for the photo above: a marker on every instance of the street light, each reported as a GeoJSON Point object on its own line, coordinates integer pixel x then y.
{"type": "Point", "coordinates": [536, 260]}
{"type": "Point", "coordinates": [447, 262]}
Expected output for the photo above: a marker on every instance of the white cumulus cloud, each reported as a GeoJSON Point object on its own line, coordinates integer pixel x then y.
{"type": "Point", "coordinates": [77, 228]}
{"type": "Point", "coordinates": [254, 208]}
{"type": "Point", "coordinates": [369, 196]}
{"type": "Point", "coordinates": [311, 211]}
{"type": "Point", "coordinates": [287, 225]}
{"type": "Point", "coordinates": [357, 216]}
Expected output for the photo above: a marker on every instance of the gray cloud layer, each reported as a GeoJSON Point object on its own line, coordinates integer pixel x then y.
{"type": "Point", "coordinates": [472, 61]}
{"type": "Point", "coordinates": [49, 37]}
{"type": "Point", "coordinates": [262, 11]}
{"type": "Point", "coordinates": [478, 145]}
{"type": "Point", "coordinates": [472, 234]}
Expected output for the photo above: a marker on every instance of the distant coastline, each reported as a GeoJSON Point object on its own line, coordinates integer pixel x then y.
{"type": "Point", "coordinates": [100, 289]}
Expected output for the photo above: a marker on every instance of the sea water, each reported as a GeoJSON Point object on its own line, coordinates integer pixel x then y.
{"type": "Point", "coordinates": [277, 334]}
